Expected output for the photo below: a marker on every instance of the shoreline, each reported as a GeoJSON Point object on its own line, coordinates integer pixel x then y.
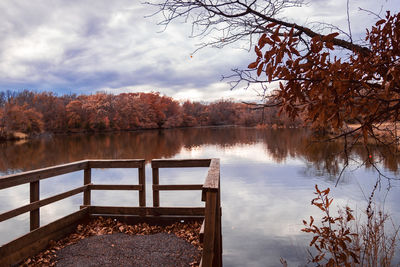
{"type": "Point", "coordinates": [19, 136]}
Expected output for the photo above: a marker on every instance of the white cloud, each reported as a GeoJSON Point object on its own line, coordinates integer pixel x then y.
{"type": "Point", "coordinates": [85, 46]}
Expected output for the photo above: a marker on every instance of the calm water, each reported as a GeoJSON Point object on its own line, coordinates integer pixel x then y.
{"type": "Point", "coordinates": [267, 181]}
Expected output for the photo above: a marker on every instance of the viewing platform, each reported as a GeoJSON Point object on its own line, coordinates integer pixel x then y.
{"type": "Point", "coordinates": [39, 237]}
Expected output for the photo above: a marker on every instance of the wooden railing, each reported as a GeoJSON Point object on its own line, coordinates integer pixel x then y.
{"type": "Point", "coordinates": [38, 237]}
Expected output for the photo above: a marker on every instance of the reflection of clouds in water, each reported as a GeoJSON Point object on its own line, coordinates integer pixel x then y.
{"type": "Point", "coordinates": [124, 198]}
{"type": "Point", "coordinates": [188, 198]}
{"type": "Point", "coordinates": [14, 228]}
{"type": "Point", "coordinates": [60, 209]}
{"type": "Point", "coordinates": [264, 203]}
{"type": "Point", "coordinates": [118, 197]}
{"type": "Point", "coordinates": [256, 152]}
{"type": "Point", "coordinates": [61, 183]}
{"type": "Point", "coordinates": [11, 198]}
{"type": "Point", "coordinates": [261, 215]}
{"type": "Point", "coordinates": [266, 192]}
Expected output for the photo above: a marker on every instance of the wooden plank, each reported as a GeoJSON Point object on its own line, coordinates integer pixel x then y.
{"type": "Point", "coordinates": [163, 220]}
{"type": "Point", "coordinates": [202, 232]}
{"type": "Point", "coordinates": [87, 180]}
{"type": "Point", "coordinates": [116, 163]}
{"type": "Point", "coordinates": [178, 187]}
{"type": "Point", "coordinates": [212, 180]}
{"type": "Point", "coordinates": [175, 163]}
{"type": "Point", "coordinates": [142, 181]}
{"type": "Point", "coordinates": [115, 187]}
{"type": "Point", "coordinates": [28, 244]}
{"type": "Point", "coordinates": [209, 228]}
{"type": "Point", "coordinates": [34, 216]}
{"type": "Point", "coordinates": [40, 203]}
{"type": "Point", "coordinates": [36, 175]}
{"type": "Point", "coordinates": [36, 247]}
{"type": "Point", "coordinates": [156, 193]}
{"type": "Point", "coordinates": [145, 211]}
{"type": "Point", "coordinates": [218, 233]}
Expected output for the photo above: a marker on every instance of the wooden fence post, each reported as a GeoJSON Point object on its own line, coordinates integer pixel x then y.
{"type": "Point", "coordinates": [210, 229]}
{"type": "Point", "coordinates": [142, 181]}
{"type": "Point", "coordinates": [87, 179]}
{"type": "Point", "coordinates": [156, 192]}
{"type": "Point", "coordinates": [218, 234]}
{"type": "Point", "coordinates": [34, 214]}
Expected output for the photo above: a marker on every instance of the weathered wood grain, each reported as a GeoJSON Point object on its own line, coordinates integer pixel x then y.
{"type": "Point", "coordinates": [178, 187]}
{"type": "Point", "coordinates": [33, 242]}
{"type": "Point", "coordinates": [142, 181]}
{"type": "Point", "coordinates": [202, 232]}
{"type": "Point", "coordinates": [115, 163]}
{"type": "Point", "coordinates": [145, 211]}
{"type": "Point", "coordinates": [116, 187]}
{"type": "Point", "coordinates": [36, 175]}
{"type": "Point", "coordinates": [209, 229]}
{"type": "Point", "coordinates": [87, 180]}
{"type": "Point", "coordinates": [212, 179]}
{"type": "Point", "coordinates": [179, 163]}
{"type": "Point", "coordinates": [34, 216]}
{"type": "Point", "coordinates": [156, 193]}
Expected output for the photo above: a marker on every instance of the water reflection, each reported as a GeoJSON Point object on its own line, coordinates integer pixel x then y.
{"type": "Point", "coordinates": [280, 145]}
{"type": "Point", "coordinates": [267, 180]}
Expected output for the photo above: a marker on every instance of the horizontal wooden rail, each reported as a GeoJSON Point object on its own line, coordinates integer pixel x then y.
{"type": "Point", "coordinates": [146, 211]}
{"type": "Point", "coordinates": [36, 175]}
{"type": "Point", "coordinates": [116, 163]}
{"type": "Point", "coordinates": [36, 240]}
{"type": "Point", "coordinates": [179, 163]}
{"type": "Point", "coordinates": [37, 204]}
{"type": "Point", "coordinates": [178, 187]}
{"type": "Point", "coordinates": [116, 187]}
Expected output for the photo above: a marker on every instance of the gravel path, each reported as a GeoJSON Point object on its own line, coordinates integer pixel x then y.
{"type": "Point", "coordinates": [160, 249]}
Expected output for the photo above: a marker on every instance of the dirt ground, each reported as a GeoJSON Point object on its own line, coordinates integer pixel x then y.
{"type": "Point", "coordinates": [119, 249]}
{"type": "Point", "coordinates": [107, 242]}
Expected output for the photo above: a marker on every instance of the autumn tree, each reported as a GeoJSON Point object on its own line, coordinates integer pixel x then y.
{"type": "Point", "coordinates": [301, 65]}
{"type": "Point", "coordinates": [17, 118]}
{"type": "Point", "coordinates": [76, 115]}
{"type": "Point", "coordinates": [98, 107]}
{"type": "Point", "coordinates": [223, 112]}
{"type": "Point", "coordinates": [363, 87]}
{"type": "Point", "coordinates": [194, 114]}
{"type": "Point", "coordinates": [127, 115]}
{"type": "Point", "coordinates": [106, 112]}
{"type": "Point", "coordinates": [53, 110]}
{"type": "Point", "coordinates": [173, 113]}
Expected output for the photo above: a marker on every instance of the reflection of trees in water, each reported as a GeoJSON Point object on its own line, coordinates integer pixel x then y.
{"type": "Point", "coordinates": [39, 153]}
{"type": "Point", "coordinates": [280, 144]}
{"type": "Point", "coordinates": [323, 158]}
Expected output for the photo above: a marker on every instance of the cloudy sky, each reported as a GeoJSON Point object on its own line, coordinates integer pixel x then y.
{"type": "Point", "coordinates": [71, 46]}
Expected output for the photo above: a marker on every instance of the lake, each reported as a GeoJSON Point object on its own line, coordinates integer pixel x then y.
{"type": "Point", "coordinates": [267, 182]}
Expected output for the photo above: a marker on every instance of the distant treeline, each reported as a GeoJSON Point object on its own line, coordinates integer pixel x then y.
{"type": "Point", "coordinates": [32, 113]}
